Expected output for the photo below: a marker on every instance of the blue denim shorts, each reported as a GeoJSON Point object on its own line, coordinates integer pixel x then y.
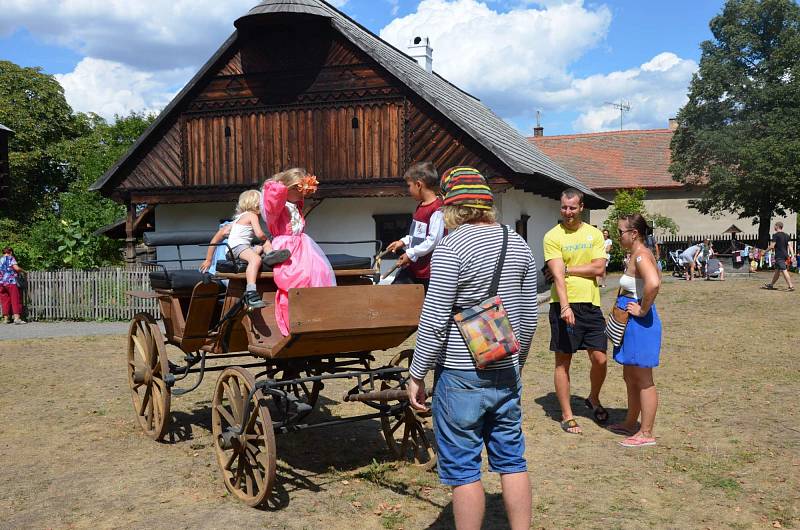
{"type": "Point", "coordinates": [473, 409]}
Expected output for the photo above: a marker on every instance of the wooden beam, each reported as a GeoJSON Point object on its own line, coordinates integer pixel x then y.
{"type": "Point", "coordinates": [130, 239]}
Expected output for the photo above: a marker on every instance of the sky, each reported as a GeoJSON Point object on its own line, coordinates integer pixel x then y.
{"type": "Point", "coordinates": [567, 59]}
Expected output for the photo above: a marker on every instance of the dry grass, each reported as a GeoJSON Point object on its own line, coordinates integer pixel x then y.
{"type": "Point", "coordinates": [71, 454]}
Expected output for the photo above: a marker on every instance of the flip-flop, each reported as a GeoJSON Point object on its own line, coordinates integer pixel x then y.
{"type": "Point", "coordinates": [599, 412]}
{"type": "Point", "coordinates": [570, 424]}
{"type": "Point", "coordinates": [637, 441]}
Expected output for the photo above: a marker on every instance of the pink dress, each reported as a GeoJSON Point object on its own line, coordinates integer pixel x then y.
{"type": "Point", "coordinates": [307, 266]}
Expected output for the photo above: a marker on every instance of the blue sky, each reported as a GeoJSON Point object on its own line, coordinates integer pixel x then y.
{"type": "Point", "coordinates": [565, 58]}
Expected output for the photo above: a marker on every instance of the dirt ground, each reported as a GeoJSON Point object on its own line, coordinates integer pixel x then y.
{"type": "Point", "coordinates": [728, 455]}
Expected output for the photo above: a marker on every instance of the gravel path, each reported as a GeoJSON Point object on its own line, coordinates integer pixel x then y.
{"type": "Point", "coordinates": [41, 330]}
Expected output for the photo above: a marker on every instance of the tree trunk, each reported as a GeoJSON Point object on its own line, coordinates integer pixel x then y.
{"type": "Point", "coordinates": [764, 220]}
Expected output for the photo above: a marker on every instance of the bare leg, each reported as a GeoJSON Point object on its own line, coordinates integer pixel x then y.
{"type": "Point", "coordinates": [561, 380]}
{"type": "Point", "coordinates": [253, 265]}
{"type": "Point", "coordinates": [648, 397]}
{"type": "Point", "coordinates": [469, 504]}
{"type": "Point", "coordinates": [785, 274]}
{"type": "Point", "coordinates": [634, 403]}
{"type": "Point", "coordinates": [597, 374]}
{"type": "Point", "coordinates": [517, 499]}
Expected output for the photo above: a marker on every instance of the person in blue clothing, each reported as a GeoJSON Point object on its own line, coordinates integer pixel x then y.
{"type": "Point", "coordinates": [641, 344]}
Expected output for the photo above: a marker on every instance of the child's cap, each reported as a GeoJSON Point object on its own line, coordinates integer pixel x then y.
{"type": "Point", "coordinates": [465, 186]}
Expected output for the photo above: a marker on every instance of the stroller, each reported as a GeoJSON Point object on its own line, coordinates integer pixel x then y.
{"type": "Point", "coordinates": [679, 265]}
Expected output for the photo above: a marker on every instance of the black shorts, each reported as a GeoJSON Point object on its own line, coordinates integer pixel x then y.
{"type": "Point", "coordinates": [404, 276]}
{"type": "Point", "coordinates": [589, 332]}
{"type": "Point", "coordinates": [780, 264]}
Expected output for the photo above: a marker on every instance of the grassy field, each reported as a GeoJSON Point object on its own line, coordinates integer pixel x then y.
{"type": "Point", "coordinates": [728, 453]}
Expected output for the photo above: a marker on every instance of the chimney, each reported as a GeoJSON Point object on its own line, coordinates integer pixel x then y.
{"type": "Point", "coordinates": [673, 124]}
{"type": "Point", "coordinates": [420, 49]}
{"type": "Point", "coordinates": [538, 130]}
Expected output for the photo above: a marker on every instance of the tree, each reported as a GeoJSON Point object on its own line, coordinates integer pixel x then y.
{"type": "Point", "coordinates": [33, 105]}
{"type": "Point", "coordinates": [737, 135]}
{"type": "Point", "coordinates": [628, 202]}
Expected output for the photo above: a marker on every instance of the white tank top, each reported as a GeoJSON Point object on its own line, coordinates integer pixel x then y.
{"type": "Point", "coordinates": [240, 234]}
{"type": "Point", "coordinates": [632, 285]}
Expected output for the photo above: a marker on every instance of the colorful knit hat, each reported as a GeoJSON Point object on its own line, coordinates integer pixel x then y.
{"type": "Point", "coordinates": [465, 186]}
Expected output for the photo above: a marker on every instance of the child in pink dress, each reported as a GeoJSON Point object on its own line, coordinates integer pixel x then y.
{"type": "Point", "coordinates": [283, 212]}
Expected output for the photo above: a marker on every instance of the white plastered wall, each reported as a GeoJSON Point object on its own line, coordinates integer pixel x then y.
{"type": "Point", "coordinates": [189, 217]}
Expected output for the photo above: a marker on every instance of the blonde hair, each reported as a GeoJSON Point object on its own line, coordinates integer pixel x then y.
{"type": "Point", "coordinates": [290, 177]}
{"type": "Point", "coordinates": [456, 215]}
{"type": "Point", "coordinates": [249, 201]}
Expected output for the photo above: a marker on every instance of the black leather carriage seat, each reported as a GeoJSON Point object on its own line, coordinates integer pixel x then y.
{"type": "Point", "coordinates": [338, 262]}
{"type": "Point", "coordinates": [178, 280]}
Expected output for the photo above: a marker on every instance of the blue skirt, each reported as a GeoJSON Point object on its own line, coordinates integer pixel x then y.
{"type": "Point", "coordinates": [641, 344]}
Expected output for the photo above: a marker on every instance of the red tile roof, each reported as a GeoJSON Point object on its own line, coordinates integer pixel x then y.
{"type": "Point", "coordinates": [613, 160]}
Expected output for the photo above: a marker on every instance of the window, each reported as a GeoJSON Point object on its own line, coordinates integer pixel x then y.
{"type": "Point", "coordinates": [391, 227]}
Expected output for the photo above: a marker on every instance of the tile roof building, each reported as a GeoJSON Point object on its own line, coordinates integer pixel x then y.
{"type": "Point", "coordinates": [614, 160]}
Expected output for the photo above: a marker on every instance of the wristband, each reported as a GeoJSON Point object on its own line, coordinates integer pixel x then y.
{"type": "Point", "coordinates": [564, 309]}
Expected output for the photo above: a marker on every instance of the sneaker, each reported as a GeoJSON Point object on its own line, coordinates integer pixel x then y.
{"type": "Point", "coordinates": [19, 321]}
{"type": "Point", "coordinates": [253, 300]}
{"type": "Point", "coordinates": [276, 256]}
{"type": "Point", "coordinates": [6, 320]}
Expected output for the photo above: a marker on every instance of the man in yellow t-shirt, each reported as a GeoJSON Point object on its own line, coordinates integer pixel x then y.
{"type": "Point", "coordinates": [575, 256]}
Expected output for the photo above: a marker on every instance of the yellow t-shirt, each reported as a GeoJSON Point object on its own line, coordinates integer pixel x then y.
{"type": "Point", "coordinates": [576, 247]}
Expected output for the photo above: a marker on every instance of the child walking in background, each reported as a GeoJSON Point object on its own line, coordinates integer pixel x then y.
{"type": "Point", "coordinates": [427, 226]}
{"type": "Point", "coordinates": [241, 233]}
{"type": "Point", "coordinates": [282, 210]}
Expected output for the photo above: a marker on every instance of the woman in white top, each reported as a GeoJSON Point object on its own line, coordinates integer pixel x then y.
{"type": "Point", "coordinates": [641, 345]}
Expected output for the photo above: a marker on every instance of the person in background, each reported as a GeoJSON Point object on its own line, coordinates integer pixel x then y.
{"type": "Point", "coordinates": [607, 245]}
{"type": "Point", "coordinates": [690, 257]}
{"type": "Point", "coordinates": [10, 297]}
{"type": "Point", "coordinates": [780, 244]}
{"type": "Point", "coordinates": [641, 344]}
{"type": "Point", "coordinates": [475, 408]}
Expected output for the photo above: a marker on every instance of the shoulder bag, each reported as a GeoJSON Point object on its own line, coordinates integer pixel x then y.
{"type": "Point", "coordinates": [616, 322]}
{"type": "Point", "coordinates": [485, 327]}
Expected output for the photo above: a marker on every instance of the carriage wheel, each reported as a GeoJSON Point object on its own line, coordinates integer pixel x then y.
{"type": "Point", "coordinates": [247, 460]}
{"type": "Point", "coordinates": [405, 433]}
{"type": "Point", "coordinates": [148, 366]}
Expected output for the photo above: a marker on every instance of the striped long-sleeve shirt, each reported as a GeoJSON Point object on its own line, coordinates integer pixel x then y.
{"type": "Point", "coordinates": [461, 273]}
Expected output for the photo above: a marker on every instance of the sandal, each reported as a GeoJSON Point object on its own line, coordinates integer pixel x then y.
{"type": "Point", "coordinates": [637, 441]}
{"type": "Point", "coordinates": [571, 424]}
{"type": "Point", "coordinates": [600, 414]}
{"type": "Point", "coordinates": [768, 287]}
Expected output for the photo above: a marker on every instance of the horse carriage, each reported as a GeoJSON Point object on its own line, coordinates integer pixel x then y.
{"type": "Point", "coordinates": [268, 383]}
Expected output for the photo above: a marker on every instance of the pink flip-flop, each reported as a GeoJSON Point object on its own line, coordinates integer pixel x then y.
{"type": "Point", "coordinates": [637, 441]}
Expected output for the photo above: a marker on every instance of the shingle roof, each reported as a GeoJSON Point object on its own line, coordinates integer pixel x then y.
{"type": "Point", "coordinates": [463, 109]}
{"type": "Point", "coordinates": [614, 160]}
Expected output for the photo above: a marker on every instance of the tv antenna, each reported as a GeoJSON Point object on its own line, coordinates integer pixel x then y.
{"type": "Point", "coordinates": [622, 107]}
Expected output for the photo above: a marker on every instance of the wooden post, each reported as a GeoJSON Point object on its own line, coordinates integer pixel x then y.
{"type": "Point", "coordinates": [130, 239]}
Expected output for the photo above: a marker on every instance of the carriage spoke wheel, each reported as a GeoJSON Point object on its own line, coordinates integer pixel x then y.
{"type": "Point", "coordinates": [247, 460]}
{"type": "Point", "coordinates": [148, 366]}
{"type": "Point", "coordinates": [405, 433]}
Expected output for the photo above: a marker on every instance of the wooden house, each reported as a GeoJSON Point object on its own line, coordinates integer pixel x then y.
{"type": "Point", "coordinates": [299, 83]}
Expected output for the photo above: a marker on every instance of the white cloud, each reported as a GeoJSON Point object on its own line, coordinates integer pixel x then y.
{"type": "Point", "coordinates": [145, 34]}
{"type": "Point", "coordinates": [108, 88]}
{"type": "Point", "coordinates": [519, 61]}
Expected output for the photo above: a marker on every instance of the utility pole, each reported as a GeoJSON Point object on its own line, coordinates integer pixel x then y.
{"type": "Point", "coordinates": [623, 107]}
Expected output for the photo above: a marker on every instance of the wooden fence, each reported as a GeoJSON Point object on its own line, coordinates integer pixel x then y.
{"type": "Point", "coordinates": [88, 295]}
{"type": "Point", "coordinates": [724, 244]}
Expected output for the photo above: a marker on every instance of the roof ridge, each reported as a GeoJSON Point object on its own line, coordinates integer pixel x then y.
{"type": "Point", "coordinates": [628, 132]}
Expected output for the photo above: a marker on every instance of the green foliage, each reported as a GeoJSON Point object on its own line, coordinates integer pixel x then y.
{"type": "Point", "coordinates": [627, 202]}
{"type": "Point", "coordinates": [737, 135]}
{"type": "Point", "coordinates": [55, 156]}
{"type": "Point", "coordinates": [33, 105]}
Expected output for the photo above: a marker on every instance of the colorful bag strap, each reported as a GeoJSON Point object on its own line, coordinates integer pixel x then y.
{"type": "Point", "coordinates": [499, 267]}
